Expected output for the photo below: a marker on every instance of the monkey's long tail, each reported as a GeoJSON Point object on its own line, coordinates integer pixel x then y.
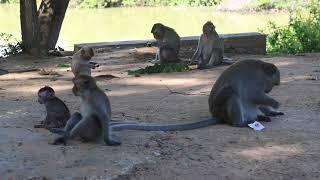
{"type": "Point", "coordinates": [169, 127]}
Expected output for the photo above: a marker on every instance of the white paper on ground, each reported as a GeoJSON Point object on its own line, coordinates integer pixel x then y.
{"type": "Point", "coordinates": [256, 126]}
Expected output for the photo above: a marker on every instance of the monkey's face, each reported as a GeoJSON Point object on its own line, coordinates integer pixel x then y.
{"type": "Point", "coordinates": [208, 28]}
{"type": "Point", "coordinates": [82, 84]}
{"type": "Point", "coordinates": [276, 78]}
{"type": "Point", "coordinates": [157, 31]}
{"type": "Point", "coordinates": [273, 73]}
{"type": "Point", "coordinates": [45, 94]}
{"type": "Point", "coordinates": [87, 53]}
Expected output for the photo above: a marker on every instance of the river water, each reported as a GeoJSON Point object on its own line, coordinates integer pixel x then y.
{"type": "Point", "coordinates": [101, 25]}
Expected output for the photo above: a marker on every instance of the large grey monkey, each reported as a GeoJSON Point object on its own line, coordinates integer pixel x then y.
{"type": "Point", "coordinates": [238, 97]}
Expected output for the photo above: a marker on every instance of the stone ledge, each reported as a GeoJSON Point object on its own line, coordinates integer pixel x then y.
{"type": "Point", "coordinates": [250, 43]}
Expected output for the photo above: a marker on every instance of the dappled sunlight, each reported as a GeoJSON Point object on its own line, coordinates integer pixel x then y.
{"type": "Point", "coordinates": [293, 78]}
{"type": "Point", "coordinates": [285, 63]}
{"type": "Point", "coordinates": [33, 89]}
{"type": "Point", "coordinates": [272, 152]}
{"type": "Point", "coordinates": [161, 81]}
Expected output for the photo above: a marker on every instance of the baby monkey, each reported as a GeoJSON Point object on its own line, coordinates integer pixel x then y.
{"type": "Point", "coordinates": [57, 112]}
{"type": "Point", "coordinates": [81, 63]}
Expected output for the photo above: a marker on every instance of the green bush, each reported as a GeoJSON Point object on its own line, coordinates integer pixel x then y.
{"type": "Point", "coordinates": [116, 3]}
{"type": "Point", "coordinates": [276, 4]}
{"type": "Point", "coordinates": [302, 34]}
{"type": "Point", "coordinates": [159, 68]}
{"type": "Point", "coordinates": [8, 45]}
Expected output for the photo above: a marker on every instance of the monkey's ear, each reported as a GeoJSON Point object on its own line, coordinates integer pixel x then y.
{"type": "Point", "coordinates": [270, 69]}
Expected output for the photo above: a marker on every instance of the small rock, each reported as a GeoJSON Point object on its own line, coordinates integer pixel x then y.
{"type": "Point", "coordinates": [156, 153]}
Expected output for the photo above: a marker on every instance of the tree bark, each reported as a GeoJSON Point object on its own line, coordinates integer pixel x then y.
{"type": "Point", "coordinates": [29, 27]}
{"type": "Point", "coordinates": [40, 29]}
{"type": "Point", "coordinates": [51, 14]}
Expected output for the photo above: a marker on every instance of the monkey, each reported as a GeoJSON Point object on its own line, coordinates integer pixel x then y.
{"type": "Point", "coordinates": [238, 98]}
{"type": "Point", "coordinates": [81, 63]}
{"type": "Point", "coordinates": [209, 52]}
{"type": "Point", "coordinates": [95, 114]}
{"type": "Point", "coordinates": [168, 42]}
{"type": "Point", "coordinates": [57, 111]}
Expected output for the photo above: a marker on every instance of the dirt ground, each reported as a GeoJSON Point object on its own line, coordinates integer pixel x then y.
{"type": "Point", "coordinates": [288, 148]}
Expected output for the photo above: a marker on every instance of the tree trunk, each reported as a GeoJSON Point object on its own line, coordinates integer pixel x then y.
{"type": "Point", "coordinates": [40, 29]}
{"type": "Point", "coordinates": [51, 14]}
{"type": "Point", "coordinates": [29, 27]}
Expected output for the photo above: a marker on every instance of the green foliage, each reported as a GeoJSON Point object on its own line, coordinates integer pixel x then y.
{"type": "Point", "coordinates": [276, 4]}
{"type": "Point", "coordinates": [8, 45]}
{"type": "Point", "coordinates": [302, 34]}
{"type": "Point", "coordinates": [159, 68]}
{"type": "Point", "coordinates": [117, 3]}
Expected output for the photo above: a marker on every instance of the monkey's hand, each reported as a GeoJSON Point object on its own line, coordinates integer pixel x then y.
{"type": "Point", "coordinates": [94, 65]}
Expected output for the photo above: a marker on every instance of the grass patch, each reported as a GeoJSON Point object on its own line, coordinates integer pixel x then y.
{"type": "Point", "coordinates": [161, 68]}
{"type": "Point", "coordinates": [63, 65]}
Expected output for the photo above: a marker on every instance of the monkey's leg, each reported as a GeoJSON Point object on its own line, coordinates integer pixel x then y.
{"type": "Point", "coordinates": [263, 99]}
{"type": "Point", "coordinates": [216, 57]}
{"type": "Point", "coordinates": [74, 119]}
{"type": "Point", "coordinates": [40, 125]}
{"type": "Point", "coordinates": [268, 112]}
{"type": "Point", "coordinates": [235, 112]}
{"type": "Point", "coordinates": [221, 96]}
{"type": "Point", "coordinates": [93, 130]}
{"type": "Point", "coordinates": [196, 56]}
{"type": "Point", "coordinates": [202, 63]}
{"type": "Point", "coordinates": [263, 118]}
{"type": "Point", "coordinates": [168, 55]}
{"type": "Point", "coordinates": [79, 130]}
{"type": "Point", "coordinates": [106, 131]}
{"type": "Point", "coordinates": [157, 58]}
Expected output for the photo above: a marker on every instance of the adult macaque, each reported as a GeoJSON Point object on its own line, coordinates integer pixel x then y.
{"type": "Point", "coordinates": [81, 64]}
{"type": "Point", "coordinates": [239, 95]}
{"type": "Point", "coordinates": [210, 48]}
{"type": "Point", "coordinates": [168, 42]}
{"type": "Point", "coordinates": [95, 114]}
{"type": "Point", "coordinates": [238, 98]}
{"type": "Point", "coordinates": [57, 112]}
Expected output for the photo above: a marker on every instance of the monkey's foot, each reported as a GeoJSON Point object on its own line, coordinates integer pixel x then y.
{"type": "Point", "coordinates": [275, 113]}
{"type": "Point", "coordinates": [59, 131]}
{"type": "Point", "coordinates": [59, 141]}
{"type": "Point", "coordinates": [263, 118]}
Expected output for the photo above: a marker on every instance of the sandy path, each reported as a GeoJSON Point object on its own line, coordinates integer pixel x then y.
{"type": "Point", "coordinates": [287, 149]}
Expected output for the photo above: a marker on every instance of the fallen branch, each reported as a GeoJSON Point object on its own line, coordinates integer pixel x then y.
{"type": "Point", "coordinates": [184, 93]}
